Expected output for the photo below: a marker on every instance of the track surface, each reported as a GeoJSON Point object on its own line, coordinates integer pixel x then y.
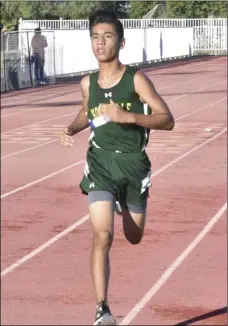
{"type": "Point", "coordinates": [178, 273]}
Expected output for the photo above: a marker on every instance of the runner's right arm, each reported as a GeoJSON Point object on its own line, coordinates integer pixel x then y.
{"type": "Point", "coordinates": [81, 121]}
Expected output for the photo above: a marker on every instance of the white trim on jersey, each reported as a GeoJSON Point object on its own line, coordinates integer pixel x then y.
{"type": "Point", "coordinates": [145, 109]}
{"type": "Point", "coordinates": [91, 139]}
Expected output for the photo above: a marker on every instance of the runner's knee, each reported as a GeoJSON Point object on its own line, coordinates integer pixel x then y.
{"type": "Point", "coordinates": [102, 239]}
{"type": "Point", "coordinates": [133, 225]}
{"type": "Point", "coordinates": [134, 236]}
{"type": "Point", "coordinates": [101, 204]}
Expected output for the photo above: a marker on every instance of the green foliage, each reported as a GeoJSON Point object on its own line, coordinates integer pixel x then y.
{"type": "Point", "coordinates": [196, 9]}
{"type": "Point", "coordinates": [140, 8]}
{"type": "Point", "coordinates": [11, 11]}
{"type": "Point", "coordinates": [82, 9]}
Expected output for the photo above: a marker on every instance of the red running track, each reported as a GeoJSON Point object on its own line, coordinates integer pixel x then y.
{"type": "Point", "coordinates": [178, 273]}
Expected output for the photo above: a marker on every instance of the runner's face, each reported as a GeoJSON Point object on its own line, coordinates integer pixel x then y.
{"type": "Point", "coordinates": [105, 42]}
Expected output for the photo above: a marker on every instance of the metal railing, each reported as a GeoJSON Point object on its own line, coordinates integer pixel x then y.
{"type": "Point", "coordinates": [127, 23]}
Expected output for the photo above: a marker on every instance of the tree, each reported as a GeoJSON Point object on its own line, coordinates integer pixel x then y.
{"type": "Point", "coordinates": [11, 11]}
{"type": "Point", "coordinates": [82, 9]}
{"type": "Point", "coordinates": [219, 9]}
{"type": "Point", "coordinates": [196, 9]}
{"type": "Point", "coordinates": [139, 8]}
{"type": "Point", "coordinates": [9, 14]}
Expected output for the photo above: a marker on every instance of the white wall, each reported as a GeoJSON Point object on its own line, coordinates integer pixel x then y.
{"type": "Point", "coordinates": [74, 54]}
{"type": "Point", "coordinates": [69, 51]}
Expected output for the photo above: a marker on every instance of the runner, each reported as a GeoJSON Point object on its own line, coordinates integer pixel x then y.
{"type": "Point", "coordinates": [117, 102]}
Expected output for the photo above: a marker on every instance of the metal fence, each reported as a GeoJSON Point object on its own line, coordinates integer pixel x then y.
{"type": "Point", "coordinates": [17, 68]}
{"type": "Point", "coordinates": [210, 40]}
{"type": "Point", "coordinates": [127, 23]}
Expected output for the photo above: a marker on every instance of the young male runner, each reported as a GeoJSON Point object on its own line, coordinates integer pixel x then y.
{"type": "Point", "coordinates": [116, 105]}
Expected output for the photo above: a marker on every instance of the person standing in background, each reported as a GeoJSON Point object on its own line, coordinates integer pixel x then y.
{"type": "Point", "coordinates": [38, 44]}
{"type": "Point", "coordinates": [3, 28]}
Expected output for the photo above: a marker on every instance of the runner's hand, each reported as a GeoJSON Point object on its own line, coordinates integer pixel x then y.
{"type": "Point", "coordinates": [114, 112]}
{"type": "Point", "coordinates": [65, 138]}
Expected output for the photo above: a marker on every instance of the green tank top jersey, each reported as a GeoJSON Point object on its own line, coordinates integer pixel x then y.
{"type": "Point", "coordinates": [110, 136]}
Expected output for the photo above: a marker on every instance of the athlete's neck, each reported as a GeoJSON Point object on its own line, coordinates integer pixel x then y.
{"type": "Point", "coordinates": [108, 70]}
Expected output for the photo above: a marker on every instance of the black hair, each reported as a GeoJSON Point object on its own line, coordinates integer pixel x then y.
{"type": "Point", "coordinates": [106, 16]}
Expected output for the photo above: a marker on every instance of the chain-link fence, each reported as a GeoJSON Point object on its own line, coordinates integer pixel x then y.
{"type": "Point", "coordinates": [17, 64]}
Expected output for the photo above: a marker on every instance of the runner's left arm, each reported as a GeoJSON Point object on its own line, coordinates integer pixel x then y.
{"type": "Point", "coordinates": [162, 118]}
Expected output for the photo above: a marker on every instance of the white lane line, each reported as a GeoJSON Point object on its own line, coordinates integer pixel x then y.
{"type": "Point", "coordinates": [44, 246]}
{"type": "Point", "coordinates": [188, 80]}
{"type": "Point", "coordinates": [200, 109]}
{"type": "Point", "coordinates": [159, 89]}
{"type": "Point", "coordinates": [66, 168]}
{"type": "Point", "coordinates": [36, 100]}
{"type": "Point", "coordinates": [34, 147]}
{"type": "Point", "coordinates": [37, 123]}
{"type": "Point", "coordinates": [189, 152]}
{"type": "Point", "coordinates": [151, 131]}
{"type": "Point", "coordinates": [176, 67]}
{"type": "Point", "coordinates": [194, 92]}
{"type": "Point", "coordinates": [190, 65]}
{"type": "Point", "coordinates": [31, 110]}
{"type": "Point", "coordinates": [28, 149]}
{"type": "Point", "coordinates": [172, 268]}
{"type": "Point", "coordinates": [27, 185]}
{"type": "Point", "coordinates": [65, 115]}
{"type": "Point", "coordinates": [197, 110]}
{"type": "Point", "coordinates": [82, 220]}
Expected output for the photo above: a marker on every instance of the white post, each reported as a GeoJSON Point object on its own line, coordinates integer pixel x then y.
{"type": "Point", "coordinates": [20, 24]}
